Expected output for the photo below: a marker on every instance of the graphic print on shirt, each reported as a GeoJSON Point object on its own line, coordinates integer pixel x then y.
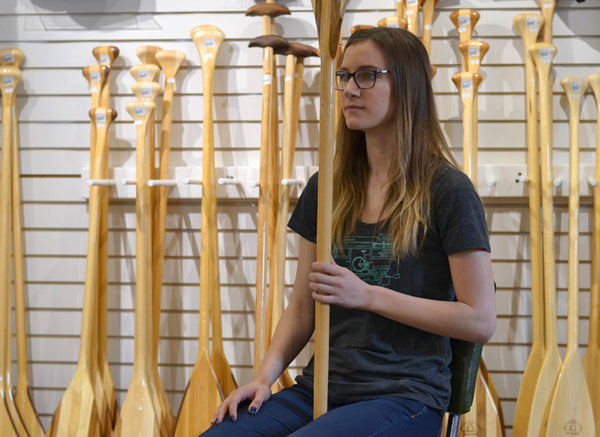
{"type": "Point", "coordinates": [369, 258]}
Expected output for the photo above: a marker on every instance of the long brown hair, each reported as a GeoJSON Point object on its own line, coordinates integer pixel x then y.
{"type": "Point", "coordinates": [421, 147]}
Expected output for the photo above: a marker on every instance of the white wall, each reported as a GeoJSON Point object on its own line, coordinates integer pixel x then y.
{"type": "Point", "coordinates": [58, 36]}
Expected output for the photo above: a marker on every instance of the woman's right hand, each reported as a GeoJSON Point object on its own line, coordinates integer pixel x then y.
{"type": "Point", "coordinates": [255, 391]}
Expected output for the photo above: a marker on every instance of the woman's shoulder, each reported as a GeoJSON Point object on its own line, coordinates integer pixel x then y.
{"type": "Point", "coordinates": [448, 177]}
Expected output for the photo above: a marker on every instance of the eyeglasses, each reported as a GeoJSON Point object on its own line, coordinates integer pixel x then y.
{"type": "Point", "coordinates": [364, 79]}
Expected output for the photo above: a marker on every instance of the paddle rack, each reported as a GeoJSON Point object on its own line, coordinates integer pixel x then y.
{"type": "Point", "coordinates": [239, 183]}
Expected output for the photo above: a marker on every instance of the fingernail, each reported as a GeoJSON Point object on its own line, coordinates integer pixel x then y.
{"type": "Point", "coordinates": [232, 418]}
{"type": "Point", "coordinates": [252, 410]}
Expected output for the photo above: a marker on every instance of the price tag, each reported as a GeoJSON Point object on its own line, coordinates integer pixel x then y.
{"type": "Point", "coordinates": [428, 27]}
{"type": "Point", "coordinates": [546, 55]}
{"type": "Point", "coordinates": [474, 51]}
{"type": "Point", "coordinates": [146, 91]}
{"type": "Point", "coordinates": [95, 76]}
{"type": "Point", "coordinates": [576, 87]}
{"type": "Point", "coordinates": [171, 80]}
{"type": "Point", "coordinates": [144, 74]}
{"type": "Point", "coordinates": [411, 3]}
{"type": "Point", "coordinates": [104, 59]}
{"type": "Point", "coordinates": [8, 81]}
{"type": "Point", "coordinates": [8, 58]}
{"type": "Point", "coordinates": [137, 122]}
{"type": "Point", "coordinates": [140, 110]}
{"type": "Point", "coordinates": [267, 79]}
{"type": "Point", "coordinates": [532, 24]}
{"type": "Point", "coordinates": [466, 85]}
{"type": "Point", "coordinates": [464, 21]}
{"type": "Point", "coordinates": [210, 42]}
{"type": "Point", "coordinates": [100, 117]}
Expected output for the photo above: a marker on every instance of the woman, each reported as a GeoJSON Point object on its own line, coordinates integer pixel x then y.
{"type": "Point", "coordinates": [410, 264]}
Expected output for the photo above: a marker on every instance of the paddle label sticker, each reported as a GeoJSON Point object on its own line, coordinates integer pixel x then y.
{"type": "Point", "coordinates": [463, 22]}
{"type": "Point", "coordinates": [140, 110]}
{"type": "Point", "coordinates": [145, 91]}
{"type": "Point", "coordinates": [104, 59]}
{"type": "Point", "coordinates": [8, 81]}
{"type": "Point", "coordinates": [95, 76]}
{"type": "Point", "coordinates": [546, 55]}
{"type": "Point", "coordinates": [532, 24]}
{"type": "Point", "coordinates": [8, 58]}
{"type": "Point", "coordinates": [210, 43]}
{"type": "Point", "coordinates": [474, 52]}
{"type": "Point", "coordinates": [411, 3]}
{"type": "Point", "coordinates": [144, 74]}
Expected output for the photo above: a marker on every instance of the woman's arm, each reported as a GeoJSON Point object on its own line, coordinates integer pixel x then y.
{"type": "Point", "coordinates": [296, 324]}
{"type": "Point", "coordinates": [472, 317]}
{"type": "Point", "coordinates": [291, 335]}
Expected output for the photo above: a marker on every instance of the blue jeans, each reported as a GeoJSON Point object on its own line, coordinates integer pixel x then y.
{"type": "Point", "coordinates": [290, 413]}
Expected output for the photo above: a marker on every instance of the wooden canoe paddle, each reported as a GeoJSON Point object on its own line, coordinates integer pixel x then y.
{"type": "Point", "coordinates": [295, 56]}
{"type": "Point", "coordinates": [10, 77]}
{"type": "Point", "coordinates": [485, 414]}
{"type": "Point", "coordinates": [547, 7]}
{"type": "Point", "coordinates": [411, 13]}
{"type": "Point", "coordinates": [464, 20]}
{"type": "Point", "coordinates": [14, 57]}
{"type": "Point", "coordinates": [77, 414]}
{"type": "Point", "coordinates": [328, 16]}
{"type": "Point", "coordinates": [542, 55]}
{"type": "Point", "coordinates": [106, 56]}
{"type": "Point", "coordinates": [428, 10]}
{"type": "Point", "coordinates": [392, 21]}
{"type": "Point", "coordinates": [140, 413]}
{"type": "Point", "coordinates": [570, 406]}
{"type": "Point", "coordinates": [203, 393]}
{"type": "Point", "coordinates": [529, 27]}
{"type": "Point", "coordinates": [591, 359]}
{"type": "Point", "coordinates": [210, 275]}
{"type": "Point", "coordinates": [268, 11]}
{"type": "Point", "coordinates": [170, 62]}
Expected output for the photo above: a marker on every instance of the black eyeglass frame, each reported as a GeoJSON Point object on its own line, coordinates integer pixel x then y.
{"type": "Point", "coordinates": [342, 73]}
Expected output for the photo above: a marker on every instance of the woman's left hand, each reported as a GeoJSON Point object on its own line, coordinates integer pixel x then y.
{"type": "Point", "coordinates": [332, 284]}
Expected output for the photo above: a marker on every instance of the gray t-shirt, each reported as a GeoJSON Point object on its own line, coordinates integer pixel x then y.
{"type": "Point", "coordinates": [371, 356]}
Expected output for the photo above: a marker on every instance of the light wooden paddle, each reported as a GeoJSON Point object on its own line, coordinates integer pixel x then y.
{"type": "Point", "coordinates": [77, 414]}
{"type": "Point", "coordinates": [570, 406]}
{"type": "Point", "coordinates": [170, 62]}
{"type": "Point", "coordinates": [392, 21]}
{"type": "Point", "coordinates": [485, 415]}
{"type": "Point", "coordinates": [11, 77]}
{"type": "Point", "coordinates": [268, 11]}
{"type": "Point", "coordinates": [10, 421]}
{"type": "Point", "coordinates": [547, 7]}
{"type": "Point", "coordinates": [428, 8]}
{"type": "Point", "coordinates": [97, 77]}
{"type": "Point", "coordinates": [529, 27]}
{"type": "Point", "coordinates": [411, 13]}
{"type": "Point", "coordinates": [542, 55]}
{"type": "Point", "coordinates": [328, 16]}
{"type": "Point", "coordinates": [106, 56]}
{"type": "Point", "coordinates": [591, 359]}
{"type": "Point", "coordinates": [15, 57]}
{"type": "Point", "coordinates": [140, 413]}
{"type": "Point", "coordinates": [203, 394]}
{"type": "Point", "coordinates": [464, 20]}
{"type": "Point", "coordinates": [210, 276]}
{"type": "Point", "coordinates": [149, 90]}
